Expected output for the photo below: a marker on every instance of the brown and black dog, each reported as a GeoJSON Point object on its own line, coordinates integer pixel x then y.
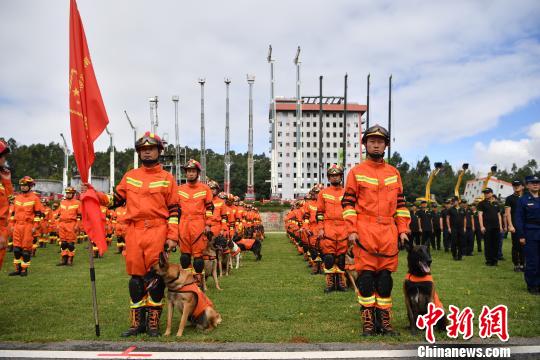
{"type": "Point", "coordinates": [184, 294]}
{"type": "Point", "coordinates": [210, 256]}
{"type": "Point", "coordinates": [418, 287]}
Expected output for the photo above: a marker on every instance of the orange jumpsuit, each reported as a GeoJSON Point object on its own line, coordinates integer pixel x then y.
{"type": "Point", "coordinates": [310, 222]}
{"type": "Point", "coordinates": [215, 220]}
{"type": "Point", "coordinates": [330, 219]}
{"type": "Point", "coordinates": [151, 215]}
{"type": "Point", "coordinates": [374, 208]}
{"type": "Point", "coordinates": [6, 189]}
{"type": "Point", "coordinates": [27, 212]}
{"type": "Point", "coordinates": [68, 214]}
{"type": "Point", "coordinates": [196, 206]}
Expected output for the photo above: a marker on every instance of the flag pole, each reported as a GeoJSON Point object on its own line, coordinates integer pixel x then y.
{"type": "Point", "coordinates": [93, 273]}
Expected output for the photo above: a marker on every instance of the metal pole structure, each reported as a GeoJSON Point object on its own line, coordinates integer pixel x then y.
{"type": "Point", "coordinates": [227, 159]}
{"type": "Point", "coordinates": [111, 161]}
{"type": "Point", "coordinates": [345, 129]}
{"type": "Point", "coordinates": [390, 117]}
{"type": "Point", "coordinates": [203, 148]}
{"type": "Point", "coordinates": [320, 130]}
{"type": "Point", "coordinates": [135, 156]}
{"type": "Point", "coordinates": [90, 175]}
{"type": "Point", "coordinates": [154, 114]}
{"type": "Point", "coordinates": [175, 100]}
{"type": "Point", "coordinates": [299, 167]}
{"type": "Point", "coordinates": [250, 194]}
{"type": "Point", "coordinates": [66, 164]}
{"type": "Point", "coordinates": [273, 122]}
{"type": "Point", "coordinates": [367, 105]}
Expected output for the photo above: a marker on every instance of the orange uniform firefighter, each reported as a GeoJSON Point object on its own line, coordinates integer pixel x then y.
{"type": "Point", "coordinates": [374, 208]}
{"type": "Point", "coordinates": [149, 194]}
{"type": "Point", "coordinates": [26, 215]}
{"type": "Point", "coordinates": [333, 230]}
{"type": "Point", "coordinates": [6, 190]}
{"type": "Point", "coordinates": [195, 199]}
{"type": "Point", "coordinates": [310, 229]}
{"type": "Point", "coordinates": [44, 224]}
{"type": "Point", "coordinates": [215, 222]}
{"type": "Point", "coordinates": [68, 215]}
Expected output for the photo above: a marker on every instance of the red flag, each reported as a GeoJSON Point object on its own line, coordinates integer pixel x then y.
{"type": "Point", "coordinates": [88, 119]}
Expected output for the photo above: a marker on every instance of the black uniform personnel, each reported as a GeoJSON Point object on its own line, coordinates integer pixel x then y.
{"type": "Point", "coordinates": [469, 233]}
{"type": "Point", "coordinates": [426, 218]}
{"type": "Point", "coordinates": [477, 231]}
{"type": "Point", "coordinates": [436, 215]}
{"type": "Point", "coordinates": [415, 229]}
{"type": "Point", "coordinates": [490, 212]}
{"type": "Point", "coordinates": [518, 257]}
{"type": "Point", "coordinates": [446, 234]}
{"type": "Point", "coordinates": [456, 216]}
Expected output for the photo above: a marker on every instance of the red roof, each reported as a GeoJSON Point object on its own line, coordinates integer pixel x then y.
{"type": "Point", "coordinates": [326, 107]}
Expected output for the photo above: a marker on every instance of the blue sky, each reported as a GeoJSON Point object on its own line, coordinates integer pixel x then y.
{"type": "Point", "coordinates": [466, 73]}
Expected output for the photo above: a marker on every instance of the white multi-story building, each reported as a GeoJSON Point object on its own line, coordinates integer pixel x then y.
{"type": "Point", "coordinates": [314, 144]}
{"type": "Point", "coordinates": [473, 188]}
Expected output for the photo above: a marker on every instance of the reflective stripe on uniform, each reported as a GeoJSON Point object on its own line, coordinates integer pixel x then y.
{"type": "Point", "coordinates": [156, 184]}
{"type": "Point", "coordinates": [366, 301]}
{"type": "Point", "coordinates": [134, 182]}
{"type": "Point", "coordinates": [384, 302]}
{"type": "Point", "coordinates": [390, 180]}
{"type": "Point", "coordinates": [183, 194]}
{"type": "Point", "coordinates": [366, 179]}
{"type": "Point", "coordinates": [349, 212]}
{"type": "Point", "coordinates": [199, 194]}
{"type": "Point", "coordinates": [173, 220]}
{"type": "Point", "coordinates": [329, 197]}
{"type": "Point", "coordinates": [403, 213]}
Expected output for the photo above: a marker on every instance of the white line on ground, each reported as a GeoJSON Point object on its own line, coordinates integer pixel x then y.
{"type": "Point", "coordinates": [273, 355]}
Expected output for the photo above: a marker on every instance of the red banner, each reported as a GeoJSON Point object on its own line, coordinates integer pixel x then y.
{"type": "Point", "coordinates": [88, 119]}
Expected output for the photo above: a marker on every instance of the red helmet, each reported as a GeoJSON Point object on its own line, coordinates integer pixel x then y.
{"type": "Point", "coordinates": [70, 190]}
{"type": "Point", "coordinates": [376, 130]}
{"type": "Point", "coordinates": [212, 184]}
{"type": "Point", "coordinates": [4, 147]}
{"type": "Point", "coordinates": [149, 139]}
{"type": "Point", "coordinates": [222, 195]}
{"type": "Point", "coordinates": [335, 169]}
{"type": "Point", "coordinates": [27, 180]}
{"type": "Point", "coordinates": [192, 164]}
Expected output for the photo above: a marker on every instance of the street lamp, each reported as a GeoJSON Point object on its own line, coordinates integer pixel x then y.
{"type": "Point", "coordinates": [203, 148]}
{"type": "Point", "coordinates": [175, 100]}
{"type": "Point", "coordinates": [111, 161]}
{"type": "Point", "coordinates": [66, 163]}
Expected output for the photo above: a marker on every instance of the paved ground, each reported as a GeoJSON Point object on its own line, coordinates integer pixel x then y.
{"type": "Point", "coordinates": [521, 348]}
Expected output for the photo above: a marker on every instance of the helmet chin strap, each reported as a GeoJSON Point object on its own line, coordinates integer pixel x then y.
{"type": "Point", "coordinates": [376, 156]}
{"type": "Point", "coordinates": [149, 163]}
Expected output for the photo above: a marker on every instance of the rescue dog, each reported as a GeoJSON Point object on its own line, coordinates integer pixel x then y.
{"type": "Point", "coordinates": [210, 263]}
{"type": "Point", "coordinates": [418, 287]}
{"type": "Point", "coordinates": [185, 295]}
{"type": "Point", "coordinates": [253, 245]}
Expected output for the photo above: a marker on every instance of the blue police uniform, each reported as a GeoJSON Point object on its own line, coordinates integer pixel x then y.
{"type": "Point", "coordinates": [528, 226]}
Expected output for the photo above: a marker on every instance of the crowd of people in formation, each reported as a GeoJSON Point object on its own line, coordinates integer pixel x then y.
{"type": "Point", "coordinates": [353, 233]}
{"type": "Point", "coordinates": [462, 225]}
{"type": "Point", "coordinates": [147, 215]}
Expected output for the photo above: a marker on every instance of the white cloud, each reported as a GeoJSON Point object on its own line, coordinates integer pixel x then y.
{"type": "Point", "coordinates": [458, 66]}
{"type": "Point", "coordinates": [504, 153]}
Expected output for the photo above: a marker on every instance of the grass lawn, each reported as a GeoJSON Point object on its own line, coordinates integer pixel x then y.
{"type": "Point", "coordinates": [275, 300]}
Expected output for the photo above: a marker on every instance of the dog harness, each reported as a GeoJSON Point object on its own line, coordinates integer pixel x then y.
{"type": "Point", "coordinates": [426, 278]}
{"type": "Point", "coordinates": [203, 302]}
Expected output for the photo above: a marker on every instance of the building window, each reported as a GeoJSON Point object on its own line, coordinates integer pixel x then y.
{"type": "Point", "coordinates": [280, 144]}
{"type": "Point", "coordinates": [294, 173]}
{"type": "Point", "coordinates": [327, 144]}
{"type": "Point", "coordinates": [334, 134]}
{"type": "Point", "coordinates": [334, 114]}
{"type": "Point", "coordinates": [287, 134]}
{"type": "Point", "coordinates": [307, 115]}
{"type": "Point", "coordinates": [334, 124]}
{"type": "Point", "coordinates": [314, 134]}
{"type": "Point", "coordinates": [307, 144]}
{"type": "Point", "coordinates": [335, 145]}
{"type": "Point", "coordinates": [327, 124]}
{"type": "Point", "coordinates": [288, 165]}
{"type": "Point", "coordinates": [340, 115]}
{"type": "Point", "coordinates": [287, 154]}
{"type": "Point", "coordinates": [314, 123]}
{"type": "Point", "coordinates": [327, 134]}
{"type": "Point", "coordinates": [278, 164]}
{"type": "Point", "coordinates": [294, 144]}
{"type": "Point", "coordinates": [314, 155]}
{"type": "Point", "coordinates": [294, 166]}
{"type": "Point", "coordinates": [314, 144]}
{"type": "Point", "coordinates": [340, 135]}
{"type": "Point", "coordinates": [335, 155]}
{"type": "Point", "coordinates": [279, 185]}
{"type": "Point", "coordinates": [280, 154]}
{"type": "Point", "coordinates": [327, 156]}
{"type": "Point", "coordinates": [280, 175]}
{"type": "Point", "coordinates": [294, 124]}
{"type": "Point", "coordinates": [308, 134]}
{"type": "Point", "coordinates": [295, 183]}
{"type": "Point", "coordinates": [341, 144]}
{"type": "Point", "coordinates": [279, 133]}
{"type": "Point", "coordinates": [288, 175]}
{"type": "Point", "coordinates": [294, 134]}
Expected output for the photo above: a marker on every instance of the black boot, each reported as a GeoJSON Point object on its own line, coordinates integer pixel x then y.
{"type": "Point", "coordinates": [368, 321]}
{"type": "Point", "coordinates": [64, 260]}
{"type": "Point", "coordinates": [137, 318]}
{"type": "Point", "coordinates": [330, 284]}
{"type": "Point", "coordinates": [341, 282]}
{"type": "Point", "coordinates": [383, 320]}
{"type": "Point", "coordinates": [152, 328]}
{"type": "Point", "coordinates": [17, 270]}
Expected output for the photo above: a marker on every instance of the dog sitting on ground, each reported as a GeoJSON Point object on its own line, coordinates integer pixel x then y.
{"type": "Point", "coordinates": [210, 256]}
{"type": "Point", "coordinates": [184, 294]}
{"type": "Point", "coordinates": [253, 245]}
{"type": "Point", "coordinates": [418, 287]}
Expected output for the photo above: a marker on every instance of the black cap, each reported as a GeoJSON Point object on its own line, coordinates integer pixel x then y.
{"type": "Point", "coordinates": [532, 179]}
{"type": "Point", "coordinates": [463, 201]}
{"type": "Point", "coordinates": [487, 190]}
{"type": "Point", "coordinates": [434, 205]}
{"type": "Point", "coordinates": [423, 202]}
{"type": "Point", "coordinates": [516, 183]}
